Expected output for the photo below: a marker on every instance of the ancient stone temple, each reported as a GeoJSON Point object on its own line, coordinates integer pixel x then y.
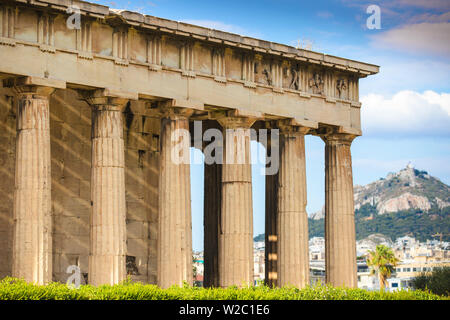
{"type": "Point", "coordinates": [89, 101]}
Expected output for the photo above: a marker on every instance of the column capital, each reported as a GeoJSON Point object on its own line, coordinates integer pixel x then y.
{"type": "Point", "coordinates": [34, 86]}
{"type": "Point", "coordinates": [173, 110]}
{"type": "Point", "coordinates": [236, 123]}
{"type": "Point", "coordinates": [107, 99]}
{"type": "Point", "coordinates": [289, 128]}
{"type": "Point", "coordinates": [235, 119]}
{"type": "Point", "coordinates": [338, 138]}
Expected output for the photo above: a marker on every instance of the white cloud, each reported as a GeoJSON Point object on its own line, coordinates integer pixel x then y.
{"type": "Point", "coordinates": [406, 114]}
{"type": "Point", "coordinates": [402, 5]}
{"type": "Point", "coordinates": [422, 38]}
{"type": "Point", "coordinates": [429, 4]}
{"type": "Point", "coordinates": [430, 17]}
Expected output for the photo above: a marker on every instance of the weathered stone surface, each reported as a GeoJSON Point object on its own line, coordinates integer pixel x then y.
{"type": "Point", "coordinates": [70, 133]}
{"type": "Point", "coordinates": [290, 82]}
{"type": "Point", "coordinates": [236, 224]}
{"type": "Point", "coordinates": [71, 185]}
{"type": "Point", "coordinates": [292, 219]}
{"type": "Point", "coordinates": [32, 240]}
{"type": "Point", "coordinates": [271, 238]}
{"type": "Point", "coordinates": [212, 215]}
{"type": "Point", "coordinates": [7, 177]}
{"type": "Point", "coordinates": [108, 220]}
{"type": "Point", "coordinates": [340, 237]}
{"type": "Point", "coordinates": [175, 229]}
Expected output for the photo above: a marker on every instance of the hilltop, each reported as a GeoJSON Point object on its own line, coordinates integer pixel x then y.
{"type": "Point", "coordinates": [408, 202]}
{"type": "Point", "coordinates": [404, 190]}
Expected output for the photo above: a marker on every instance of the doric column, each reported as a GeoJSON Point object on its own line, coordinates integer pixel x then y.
{"type": "Point", "coordinates": [175, 225]}
{"type": "Point", "coordinates": [32, 234]}
{"type": "Point", "coordinates": [292, 220]}
{"type": "Point", "coordinates": [107, 260]}
{"type": "Point", "coordinates": [212, 207]}
{"type": "Point", "coordinates": [236, 224]}
{"type": "Point", "coordinates": [271, 226]}
{"type": "Point", "coordinates": [340, 240]}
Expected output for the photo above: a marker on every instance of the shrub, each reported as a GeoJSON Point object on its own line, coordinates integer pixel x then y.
{"type": "Point", "coordinates": [14, 289]}
{"type": "Point", "coordinates": [437, 281]}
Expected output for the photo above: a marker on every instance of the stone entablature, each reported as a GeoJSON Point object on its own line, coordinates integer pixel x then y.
{"type": "Point", "coordinates": [209, 68]}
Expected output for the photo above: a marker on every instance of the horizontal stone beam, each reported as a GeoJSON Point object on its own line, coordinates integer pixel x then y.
{"type": "Point", "coordinates": [136, 19]}
{"type": "Point", "coordinates": [34, 81]}
{"type": "Point", "coordinates": [132, 56]}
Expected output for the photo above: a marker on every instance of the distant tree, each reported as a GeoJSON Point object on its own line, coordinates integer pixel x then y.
{"type": "Point", "coordinates": [437, 281]}
{"type": "Point", "coordinates": [382, 262]}
{"type": "Point", "coordinates": [421, 226]}
{"type": "Point", "coordinates": [259, 238]}
{"type": "Point", "coordinates": [194, 268]}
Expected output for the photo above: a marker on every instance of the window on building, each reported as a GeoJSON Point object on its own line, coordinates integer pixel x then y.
{"type": "Point", "coordinates": [394, 285]}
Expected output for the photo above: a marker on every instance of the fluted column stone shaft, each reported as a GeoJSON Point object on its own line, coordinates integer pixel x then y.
{"type": "Point", "coordinates": [292, 220]}
{"type": "Point", "coordinates": [32, 235]}
{"type": "Point", "coordinates": [340, 239]}
{"type": "Point", "coordinates": [107, 260]}
{"type": "Point", "coordinates": [271, 237]}
{"type": "Point", "coordinates": [236, 225]}
{"type": "Point", "coordinates": [175, 224]}
{"type": "Point", "coordinates": [212, 208]}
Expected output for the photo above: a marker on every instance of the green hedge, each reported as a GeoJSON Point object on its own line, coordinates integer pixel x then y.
{"type": "Point", "coordinates": [14, 289]}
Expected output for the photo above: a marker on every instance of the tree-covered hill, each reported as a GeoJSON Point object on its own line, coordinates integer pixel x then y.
{"type": "Point", "coordinates": [414, 222]}
{"type": "Point", "coordinates": [259, 238]}
{"type": "Point", "coordinates": [422, 225]}
{"type": "Point", "coordinates": [408, 202]}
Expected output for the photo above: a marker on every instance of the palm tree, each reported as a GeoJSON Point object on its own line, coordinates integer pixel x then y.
{"type": "Point", "coordinates": [382, 261]}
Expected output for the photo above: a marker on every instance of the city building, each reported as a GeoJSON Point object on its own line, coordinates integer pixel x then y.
{"type": "Point", "coordinates": [415, 256]}
{"type": "Point", "coordinates": [259, 263]}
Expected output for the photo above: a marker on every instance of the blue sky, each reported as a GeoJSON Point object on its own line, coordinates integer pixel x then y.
{"type": "Point", "coordinates": [406, 107]}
